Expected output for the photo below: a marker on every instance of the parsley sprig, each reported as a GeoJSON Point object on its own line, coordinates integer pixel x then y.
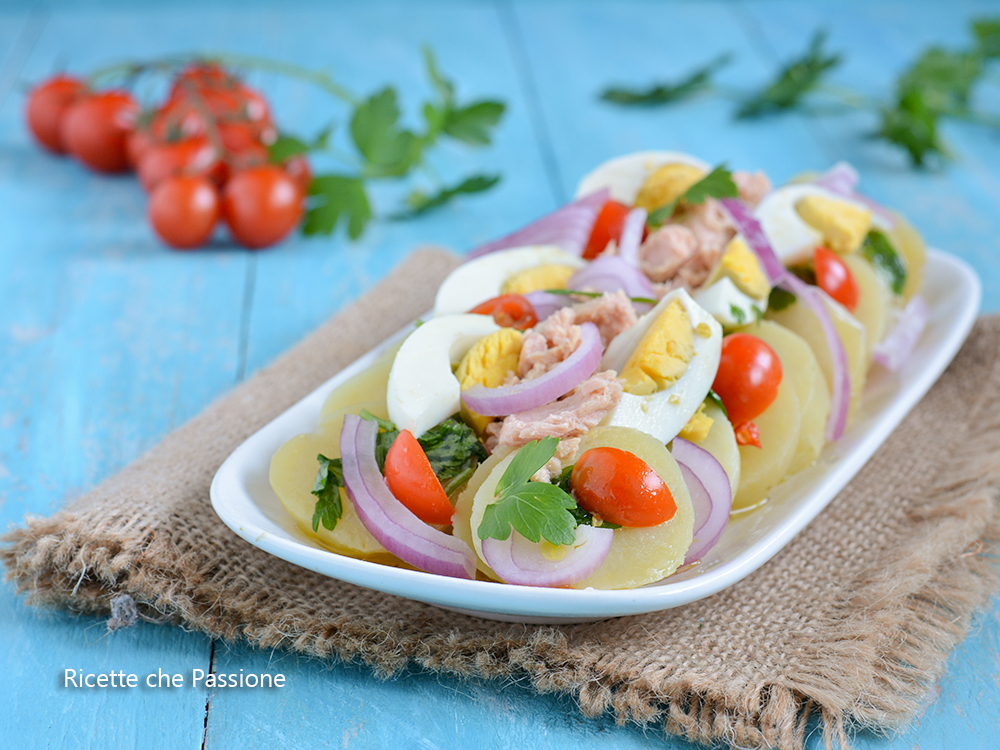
{"type": "Point", "coordinates": [716, 184]}
{"type": "Point", "coordinates": [938, 85]}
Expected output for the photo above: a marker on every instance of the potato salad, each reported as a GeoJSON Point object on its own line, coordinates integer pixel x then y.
{"type": "Point", "coordinates": [597, 393]}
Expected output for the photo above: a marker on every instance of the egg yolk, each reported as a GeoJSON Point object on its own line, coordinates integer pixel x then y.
{"type": "Point", "coordinates": [843, 225]}
{"type": "Point", "coordinates": [487, 363]}
{"type": "Point", "coordinates": [698, 426]}
{"type": "Point", "coordinates": [741, 266]}
{"type": "Point", "coordinates": [547, 276]}
{"type": "Point", "coordinates": [663, 355]}
{"type": "Point", "coordinates": [666, 184]}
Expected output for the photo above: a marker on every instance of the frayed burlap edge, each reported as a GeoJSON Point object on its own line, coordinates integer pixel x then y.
{"type": "Point", "coordinates": [922, 611]}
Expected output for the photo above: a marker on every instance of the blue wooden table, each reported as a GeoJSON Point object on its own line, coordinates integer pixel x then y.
{"type": "Point", "coordinates": [108, 340]}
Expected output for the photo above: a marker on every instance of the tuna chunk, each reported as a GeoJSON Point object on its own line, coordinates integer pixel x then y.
{"type": "Point", "coordinates": [752, 187]}
{"type": "Point", "coordinates": [548, 344]}
{"type": "Point", "coordinates": [666, 250]}
{"type": "Point", "coordinates": [612, 313]}
{"type": "Point", "coordinates": [568, 419]}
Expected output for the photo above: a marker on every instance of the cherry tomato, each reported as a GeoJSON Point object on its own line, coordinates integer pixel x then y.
{"type": "Point", "coordinates": [262, 205]}
{"type": "Point", "coordinates": [747, 434]}
{"type": "Point", "coordinates": [200, 75]}
{"type": "Point", "coordinates": [194, 156]}
{"type": "Point", "coordinates": [137, 143]}
{"type": "Point", "coordinates": [509, 311]}
{"type": "Point", "coordinates": [298, 168]}
{"type": "Point", "coordinates": [47, 105]}
{"type": "Point", "coordinates": [748, 377]}
{"type": "Point", "coordinates": [618, 486]}
{"type": "Point", "coordinates": [835, 278]}
{"type": "Point", "coordinates": [411, 479]}
{"type": "Point", "coordinates": [608, 227]}
{"type": "Point", "coordinates": [183, 210]}
{"type": "Point", "coordinates": [95, 129]}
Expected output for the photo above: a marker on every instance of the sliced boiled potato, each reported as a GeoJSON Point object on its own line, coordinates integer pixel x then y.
{"type": "Point", "coordinates": [721, 443]}
{"type": "Point", "coordinates": [461, 519]}
{"type": "Point", "coordinates": [368, 385]}
{"type": "Point", "coordinates": [800, 319]}
{"type": "Point", "coordinates": [643, 555]}
{"type": "Point", "coordinates": [762, 468]}
{"type": "Point", "coordinates": [874, 310]}
{"type": "Point", "coordinates": [799, 365]}
{"type": "Point", "coordinates": [907, 242]}
{"type": "Point", "coordinates": [293, 471]}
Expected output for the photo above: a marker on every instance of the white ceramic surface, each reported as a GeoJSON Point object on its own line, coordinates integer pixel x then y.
{"type": "Point", "coordinates": [243, 498]}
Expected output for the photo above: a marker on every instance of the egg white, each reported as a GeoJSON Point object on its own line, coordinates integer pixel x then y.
{"type": "Point", "coordinates": [720, 299]}
{"type": "Point", "coordinates": [623, 176]}
{"type": "Point", "coordinates": [423, 390]}
{"type": "Point", "coordinates": [663, 414]}
{"type": "Point", "coordinates": [482, 278]}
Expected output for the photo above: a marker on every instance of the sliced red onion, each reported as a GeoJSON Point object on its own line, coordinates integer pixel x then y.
{"type": "Point", "coordinates": [840, 400]}
{"type": "Point", "coordinates": [528, 394]}
{"type": "Point", "coordinates": [893, 351]}
{"type": "Point", "coordinates": [743, 218]}
{"type": "Point", "coordinates": [842, 179]}
{"type": "Point", "coordinates": [545, 303]}
{"type": "Point", "coordinates": [391, 523]}
{"type": "Point", "coordinates": [711, 495]}
{"type": "Point", "coordinates": [611, 273]}
{"type": "Point", "coordinates": [519, 560]}
{"type": "Point", "coordinates": [631, 236]}
{"type": "Point", "coordinates": [568, 227]}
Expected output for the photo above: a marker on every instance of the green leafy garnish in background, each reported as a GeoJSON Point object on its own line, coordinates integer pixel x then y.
{"type": "Point", "coordinates": [716, 184]}
{"type": "Point", "coordinates": [886, 261]}
{"type": "Point", "coordinates": [419, 202]}
{"type": "Point", "coordinates": [536, 510]}
{"type": "Point", "coordinates": [940, 84]}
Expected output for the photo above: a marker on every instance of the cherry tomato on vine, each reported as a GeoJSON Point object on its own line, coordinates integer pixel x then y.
{"type": "Point", "coordinates": [835, 278]}
{"type": "Point", "coordinates": [608, 227]}
{"type": "Point", "coordinates": [95, 128]}
{"type": "Point", "coordinates": [411, 479]}
{"type": "Point", "coordinates": [509, 311]}
{"type": "Point", "coordinates": [748, 377]}
{"type": "Point", "coordinates": [183, 210]}
{"type": "Point", "coordinates": [193, 156]}
{"type": "Point", "coordinates": [47, 106]}
{"type": "Point", "coordinates": [137, 143]}
{"type": "Point", "coordinates": [261, 205]}
{"type": "Point", "coordinates": [617, 486]}
{"type": "Point", "coordinates": [300, 171]}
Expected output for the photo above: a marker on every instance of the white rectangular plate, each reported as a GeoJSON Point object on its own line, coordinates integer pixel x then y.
{"type": "Point", "coordinates": [243, 498]}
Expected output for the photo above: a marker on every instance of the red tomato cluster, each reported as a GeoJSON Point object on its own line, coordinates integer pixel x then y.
{"type": "Point", "coordinates": [202, 155]}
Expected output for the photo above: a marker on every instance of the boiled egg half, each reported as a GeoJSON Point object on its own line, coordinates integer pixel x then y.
{"type": "Point", "coordinates": [626, 176]}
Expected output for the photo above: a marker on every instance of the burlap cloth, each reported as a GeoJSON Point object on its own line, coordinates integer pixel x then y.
{"type": "Point", "coordinates": [852, 622]}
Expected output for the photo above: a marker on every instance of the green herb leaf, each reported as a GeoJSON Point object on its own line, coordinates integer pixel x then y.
{"type": "Point", "coordinates": [780, 299]}
{"type": "Point", "coordinates": [886, 261]}
{"type": "Point", "coordinates": [943, 78]}
{"type": "Point", "coordinates": [717, 400]}
{"type": "Point", "coordinates": [336, 197]}
{"type": "Point", "coordinates": [444, 88]}
{"type": "Point", "coordinates": [913, 126]}
{"type": "Point", "coordinates": [716, 184]}
{"type": "Point", "coordinates": [795, 80]}
{"type": "Point", "coordinates": [326, 488]}
{"type": "Point", "coordinates": [389, 150]}
{"type": "Point", "coordinates": [473, 124]}
{"type": "Point", "coordinates": [738, 314]}
{"type": "Point", "coordinates": [577, 292]}
{"type": "Point", "coordinates": [454, 452]}
{"type": "Point", "coordinates": [584, 518]}
{"type": "Point", "coordinates": [528, 460]}
{"type": "Point", "coordinates": [987, 33]}
{"type": "Point", "coordinates": [286, 146]}
{"type": "Point", "coordinates": [695, 82]}
{"type": "Point", "coordinates": [420, 202]}
{"type": "Point", "coordinates": [386, 436]}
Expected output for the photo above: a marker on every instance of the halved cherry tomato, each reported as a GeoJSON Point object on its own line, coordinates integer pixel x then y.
{"type": "Point", "coordinates": [262, 205]}
{"type": "Point", "coordinates": [608, 227]}
{"type": "Point", "coordinates": [193, 156]}
{"type": "Point", "coordinates": [47, 105]}
{"type": "Point", "coordinates": [411, 479]}
{"type": "Point", "coordinates": [835, 278]}
{"type": "Point", "coordinates": [618, 486]}
{"type": "Point", "coordinates": [748, 377]}
{"type": "Point", "coordinates": [509, 311]}
{"type": "Point", "coordinates": [183, 210]}
{"type": "Point", "coordinates": [94, 130]}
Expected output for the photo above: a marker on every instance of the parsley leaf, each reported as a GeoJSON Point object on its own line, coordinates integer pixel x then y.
{"type": "Point", "coordinates": [536, 510]}
{"type": "Point", "coordinates": [389, 150]}
{"type": "Point", "coordinates": [987, 33]}
{"type": "Point", "coordinates": [454, 452]}
{"type": "Point", "coordinates": [795, 80]}
{"type": "Point", "coordinates": [286, 146]}
{"type": "Point", "coordinates": [780, 299]}
{"type": "Point", "coordinates": [912, 125]}
{"type": "Point", "coordinates": [886, 261]}
{"type": "Point", "coordinates": [337, 196]}
{"type": "Point", "coordinates": [944, 78]}
{"type": "Point", "coordinates": [738, 314]}
{"type": "Point", "coordinates": [420, 202]}
{"type": "Point", "coordinates": [695, 82]}
{"type": "Point", "coordinates": [383, 441]}
{"type": "Point", "coordinates": [326, 488]}
{"type": "Point", "coordinates": [473, 124]}
{"type": "Point", "coordinates": [716, 184]}
{"type": "Point", "coordinates": [716, 399]}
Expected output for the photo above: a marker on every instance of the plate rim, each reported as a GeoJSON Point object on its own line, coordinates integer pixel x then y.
{"type": "Point", "coordinates": [529, 604]}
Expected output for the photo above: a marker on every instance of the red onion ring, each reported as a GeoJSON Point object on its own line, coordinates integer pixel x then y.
{"type": "Point", "coordinates": [611, 273]}
{"type": "Point", "coordinates": [391, 523]}
{"type": "Point", "coordinates": [777, 274]}
{"type": "Point", "coordinates": [711, 495]}
{"type": "Point", "coordinates": [842, 179]}
{"type": "Point", "coordinates": [528, 394]}
{"type": "Point", "coordinates": [520, 561]}
{"type": "Point", "coordinates": [545, 303]}
{"type": "Point", "coordinates": [631, 236]}
{"type": "Point", "coordinates": [893, 351]}
{"type": "Point", "coordinates": [568, 227]}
